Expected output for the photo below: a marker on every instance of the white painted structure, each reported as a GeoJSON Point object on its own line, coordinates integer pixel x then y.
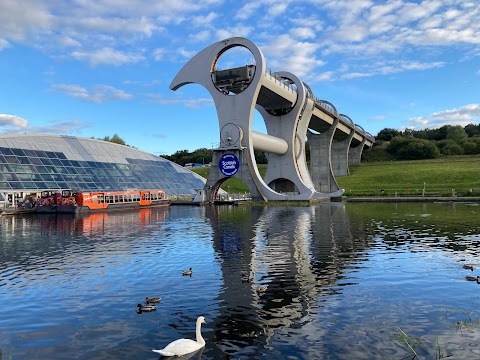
{"type": "Point", "coordinates": [289, 110]}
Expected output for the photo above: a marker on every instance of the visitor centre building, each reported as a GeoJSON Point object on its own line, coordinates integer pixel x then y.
{"type": "Point", "coordinates": [35, 163]}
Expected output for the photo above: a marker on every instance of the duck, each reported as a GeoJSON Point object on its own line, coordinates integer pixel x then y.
{"type": "Point", "coordinates": [152, 300]}
{"type": "Point", "coordinates": [185, 346]}
{"type": "Point", "coordinates": [146, 308]}
{"type": "Point", "coordinates": [187, 272]}
{"type": "Point", "coordinates": [468, 267]}
{"type": "Point", "coordinates": [473, 278]}
{"type": "Point", "coordinates": [262, 289]}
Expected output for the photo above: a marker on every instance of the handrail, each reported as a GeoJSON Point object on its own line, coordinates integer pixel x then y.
{"type": "Point", "coordinates": [347, 119]}
{"type": "Point", "coordinates": [360, 129]}
{"type": "Point", "coordinates": [280, 80]}
{"type": "Point", "coordinates": [327, 105]}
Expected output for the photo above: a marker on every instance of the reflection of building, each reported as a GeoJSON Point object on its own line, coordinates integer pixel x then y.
{"type": "Point", "coordinates": [92, 226]}
{"type": "Point", "coordinates": [34, 163]}
{"type": "Point", "coordinates": [299, 254]}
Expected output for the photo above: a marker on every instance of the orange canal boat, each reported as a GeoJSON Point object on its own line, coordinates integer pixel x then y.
{"type": "Point", "coordinates": [78, 201]}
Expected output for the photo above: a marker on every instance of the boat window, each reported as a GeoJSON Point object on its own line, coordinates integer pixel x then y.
{"type": "Point", "coordinates": [118, 198]}
{"type": "Point", "coordinates": [136, 197]}
{"type": "Point", "coordinates": [109, 199]}
{"type": "Point", "coordinates": [100, 199]}
{"type": "Point", "coordinates": [153, 196]}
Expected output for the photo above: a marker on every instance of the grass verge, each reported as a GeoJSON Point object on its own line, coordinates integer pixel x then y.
{"type": "Point", "coordinates": [437, 177]}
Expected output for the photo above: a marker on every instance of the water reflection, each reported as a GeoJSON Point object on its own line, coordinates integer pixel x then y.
{"type": "Point", "coordinates": [341, 280]}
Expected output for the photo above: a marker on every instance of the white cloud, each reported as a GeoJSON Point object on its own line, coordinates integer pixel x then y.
{"type": "Point", "coordinates": [204, 20]}
{"type": "Point", "coordinates": [186, 53]}
{"type": "Point", "coordinates": [98, 94]}
{"type": "Point", "coordinates": [19, 18]}
{"type": "Point", "coordinates": [159, 54]}
{"type": "Point", "coordinates": [59, 127]}
{"type": "Point", "coordinates": [107, 56]}
{"type": "Point", "coordinates": [3, 44]}
{"type": "Point", "coordinates": [397, 25]}
{"type": "Point", "coordinates": [142, 83]}
{"type": "Point", "coordinates": [248, 10]}
{"type": "Point", "coordinates": [460, 116]}
{"type": "Point", "coordinates": [99, 24]}
{"type": "Point", "coordinates": [16, 125]}
{"type": "Point", "coordinates": [286, 53]}
{"type": "Point", "coordinates": [200, 36]}
{"type": "Point", "coordinates": [12, 121]}
{"type": "Point", "coordinates": [303, 33]}
{"type": "Point", "coordinates": [392, 67]}
{"type": "Point", "coordinates": [277, 9]}
{"type": "Point", "coordinates": [68, 41]}
{"type": "Point", "coordinates": [243, 31]}
{"type": "Point", "coordinates": [325, 76]}
{"type": "Point", "coordinates": [190, 103]}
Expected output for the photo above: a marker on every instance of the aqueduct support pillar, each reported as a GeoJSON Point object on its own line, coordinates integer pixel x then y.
{"type": "Point", "coordinates": [320, 161]}
{"type": "Point", "coordinates": [355, 153]}
{"type": "Point", "coordinates": [340, 151]}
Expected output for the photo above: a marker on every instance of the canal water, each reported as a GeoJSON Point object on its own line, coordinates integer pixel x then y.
{"type": "Point", "coordinates": [343, 281]}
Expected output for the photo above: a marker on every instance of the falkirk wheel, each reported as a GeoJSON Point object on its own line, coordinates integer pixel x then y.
{"type": "Point", "coordinates": [290, 112]}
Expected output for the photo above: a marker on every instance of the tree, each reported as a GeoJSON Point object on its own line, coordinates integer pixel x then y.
{"type": "Point", "coordinates": [472, 130]}
{"type": "Point", "coordinates": [470, 146]}
{"type": "Point", "coordinates": [457, 134]}
{"type": "Point", "coordinates": [387, 134]}
{"type": "Point", "coordinates": [117, 140]}
{"type": "Point", "coordinates": [377, 153]}
{"type": "Point", "coordinates": [417, 149]}
{"type": "Point", "coordinates": [412, 148]}
{"type": "Point", "coordinates": [450, 147]}
{"type": "Point", "coordinates": [114, 139]}
{"type": "Point", "coordinates": [396, 144]}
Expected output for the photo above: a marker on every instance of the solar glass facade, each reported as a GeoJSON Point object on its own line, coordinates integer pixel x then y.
{"type": "Point", "coordinates": [35, 163]}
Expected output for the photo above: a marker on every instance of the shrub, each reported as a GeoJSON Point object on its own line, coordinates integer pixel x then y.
{"type": "Point", "coordinates": [470, 146]}
{"type": "Point", "coordinates": [377, 153]}
{"type": "Point", "coordinates": [450, 147]}
{"type": "Point", "coordinates": [416, 149]}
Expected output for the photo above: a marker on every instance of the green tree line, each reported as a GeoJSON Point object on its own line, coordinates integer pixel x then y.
{"type": "Point", "coordinates": [203, 156]}
{"type": "Point", "coordinates": [391, 144]}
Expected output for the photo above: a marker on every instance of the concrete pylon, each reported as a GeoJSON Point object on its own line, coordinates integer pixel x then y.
{"type": "Point", "coordinates": [340, 150]}
{"type": "Point", "coordinates": [355, 153]}
{"type": "Point", "coordinates": [320, 161]}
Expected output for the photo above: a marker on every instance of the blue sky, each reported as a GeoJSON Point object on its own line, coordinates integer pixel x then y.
{"type": "Point", "coordinates": [95, 68]}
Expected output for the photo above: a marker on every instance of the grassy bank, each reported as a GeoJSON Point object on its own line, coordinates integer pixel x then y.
{"type": "Point", "coordinates": [438, 177]}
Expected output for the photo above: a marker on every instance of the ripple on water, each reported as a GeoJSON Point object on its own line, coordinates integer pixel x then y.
{"type": "Point", "coordinates": [339, 284]}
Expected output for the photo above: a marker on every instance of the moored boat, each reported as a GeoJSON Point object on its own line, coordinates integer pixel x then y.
{"type": "Point", "coordinates": [78, 201]}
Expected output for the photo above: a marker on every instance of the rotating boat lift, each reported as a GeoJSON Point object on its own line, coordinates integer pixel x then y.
{"type": "Point", "coordinates": [291, 114]}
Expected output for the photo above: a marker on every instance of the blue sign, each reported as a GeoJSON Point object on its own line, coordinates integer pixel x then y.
{"type": "Point", "coordinates": [229, 164]}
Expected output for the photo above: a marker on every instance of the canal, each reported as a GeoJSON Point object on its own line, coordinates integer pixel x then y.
{"type": "Point", "coordinates": [339, 281]}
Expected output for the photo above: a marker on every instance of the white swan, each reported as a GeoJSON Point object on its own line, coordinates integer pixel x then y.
{"type": "Point", "coordinates": [184, 346]}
